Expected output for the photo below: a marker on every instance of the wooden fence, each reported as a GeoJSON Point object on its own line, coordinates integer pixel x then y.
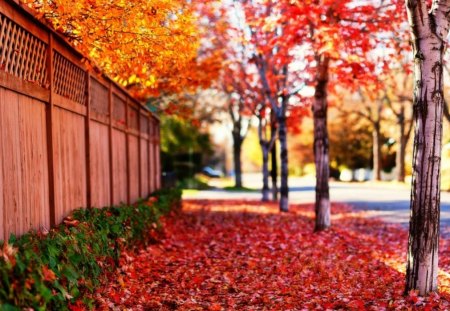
{"type": "Point", "coordinates": [68, 138]}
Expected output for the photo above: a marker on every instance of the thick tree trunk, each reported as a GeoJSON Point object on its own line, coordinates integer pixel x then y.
{"type": "Point", "coordinates": [265, 171]}
{"type": "Point", "coordinates": [274, 162]}
{"type": "Point", "coordinates": [237, 148]}
{"type": "Point", "coordinates": [429, 32]}
{"type": "Point", "coordinates": [376, 134]}
{"type": "Point", "coordinates": [284, 189]}
{"type": "Point", "coordinates": [321, 156]}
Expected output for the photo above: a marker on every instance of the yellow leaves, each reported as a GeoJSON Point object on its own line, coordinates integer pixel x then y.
{"type": "Point", "coordinates": [135, 42]}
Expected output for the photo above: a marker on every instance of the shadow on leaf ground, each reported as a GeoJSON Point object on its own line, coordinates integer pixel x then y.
{"type": "Point", "coordinates": [245, 255]}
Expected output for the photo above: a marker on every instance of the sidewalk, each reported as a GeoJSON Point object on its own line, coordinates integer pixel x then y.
{"type": "Point", "coordinates": [244, 255]}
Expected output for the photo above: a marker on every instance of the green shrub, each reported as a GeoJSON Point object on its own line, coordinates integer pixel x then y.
{"type": "Point", "coordinates": [50, 270]}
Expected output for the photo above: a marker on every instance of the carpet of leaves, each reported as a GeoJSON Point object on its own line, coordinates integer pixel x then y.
{"type": "Point", "coordinates": [245, 255]}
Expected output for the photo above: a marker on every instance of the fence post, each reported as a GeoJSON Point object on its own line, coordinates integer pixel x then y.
{"type": "Point", "coordinates": [110, 137]}
{"type": "Point", "coordinates": [158, 156]}
{"type": "Point", "coordinates": [149, 157]}
{"type": "Point", "coordinates": [150, 154]}
{"type": "Point", "coordinates": [139, 150]}
{"type": "Point", "coordinates": [127, 147]}
{"type": "Point", "coordinates": [49, 128]}
{"type": "Point", "coordinates": [88, 140]}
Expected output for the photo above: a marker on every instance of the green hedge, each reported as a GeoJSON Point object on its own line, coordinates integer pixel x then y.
{"type": "Point", "coordinates": [49, 271]}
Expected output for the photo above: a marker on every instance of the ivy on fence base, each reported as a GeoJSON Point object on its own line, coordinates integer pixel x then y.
{"type": "Point", "coordinates": [49, 270]}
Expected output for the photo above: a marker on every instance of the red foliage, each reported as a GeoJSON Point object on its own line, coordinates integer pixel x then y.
{"type": "Point", "coordinates": [226, 255]}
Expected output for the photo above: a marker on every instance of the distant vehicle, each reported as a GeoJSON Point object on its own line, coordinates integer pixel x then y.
{"type": "Point", "coordinates": [210, 172]}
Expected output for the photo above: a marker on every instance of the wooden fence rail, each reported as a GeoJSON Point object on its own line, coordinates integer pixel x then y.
{"type": "Point", "coordinates": [68, 138]}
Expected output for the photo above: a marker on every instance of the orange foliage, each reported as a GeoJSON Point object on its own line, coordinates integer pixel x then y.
{"type": "Point", "coordinates": [151, 47]}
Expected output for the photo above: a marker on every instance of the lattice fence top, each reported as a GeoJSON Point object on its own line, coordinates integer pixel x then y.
{"type": "Point", "coordinates": [21, 53]}
{"type": "Point", "coordinates": [119, 110]}
{"type": "Point", "coordinates": [133, 118]}
{"type": "Point", "coordinates": [144, 124]}
{"type": "Point", "coordinates": [69, 79]}
{"type": "Point", "coordinates": [99, 98]}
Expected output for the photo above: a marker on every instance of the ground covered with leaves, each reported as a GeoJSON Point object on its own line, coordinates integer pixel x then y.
{"type": "Point", "coordinates": [244, 255]}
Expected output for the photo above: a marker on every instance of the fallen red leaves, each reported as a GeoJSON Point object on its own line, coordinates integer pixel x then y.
{"type": "Point", "coordinates": [224, 255]}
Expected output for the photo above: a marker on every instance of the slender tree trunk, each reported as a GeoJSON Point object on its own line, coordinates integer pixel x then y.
{"type": "Point", "coordinates": [265, 170]}
{"type": "Point", "coordinates": [429, 33]}
{"type": "Point", "coordinates": [237, 148]}
{"type": "Point", "coordinates": [284, 189]}
{"type": "Point", "coordinates": [321, 156]}
{"type": "Point", "coordinates": [274, 162]}
{"type": "Point", "coordinates": [376, 134]}
{"type": "Point", "coordinates": [401, 151]}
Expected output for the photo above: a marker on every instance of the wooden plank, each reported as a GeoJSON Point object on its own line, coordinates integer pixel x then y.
{"type": "Point", "coordinates": [69, 105]}
{"type": "Point", "coordinates": [25, 151]}
{"type": "Point", "coordinates": [23, 87]}
{"type": "Point", "coordinates": [42, 169]}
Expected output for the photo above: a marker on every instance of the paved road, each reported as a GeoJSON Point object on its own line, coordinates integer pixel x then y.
{"type": "Point", "coordinates": [389, 202]}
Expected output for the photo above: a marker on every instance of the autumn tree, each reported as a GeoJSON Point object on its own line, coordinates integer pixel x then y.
{"type": "Point", "coordinates": [338, 36]}
{"type": "Point", "coordinates": [429, 25]}
{"type": "Point", "coordinates": [151, 47]}
{"type": "Point", "coordinates": [398, 99]}
{"type": "Point", "coordinates": [235, 82]}
{"type": "Point", "coordinates": [274, 62]}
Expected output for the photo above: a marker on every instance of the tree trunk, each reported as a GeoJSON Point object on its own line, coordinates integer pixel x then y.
{"type": "Point", "coordinates": [321, 156]}
{"type": "Point", "coordinates": [237, 148]}
{"type": "Point", "coordinates": [265, 171]}
{"type": "Point", "coordinates": [376, 134]}
{"type": "Point", "coordinates": [284, 189]}
{"type": "Point", "coordinates": [401, 151]}
{"type": "Point", "coordinates": [429, 33]}
{"type": "Point", "coordinates": [274, 162]}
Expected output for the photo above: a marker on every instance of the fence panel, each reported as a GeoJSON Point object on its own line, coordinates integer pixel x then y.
{"type": "Point", "coordinates": [23, 173]}
{"type": "Point", "coordinates": [120, 167]}
{"type": "Point", "coordinates": [70, 162]}
{"type": "Point", "coordinates": [100, 175]}
{"type": "Point", "coordinates": [68, 138]}
{"type": "Point", "coordinates": [133, 166]}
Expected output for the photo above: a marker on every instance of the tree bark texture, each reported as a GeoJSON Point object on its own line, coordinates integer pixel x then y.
{"type": "Point", "coordinates": [321, 148]}
{"type": "Point", "coordinates": [429, 31]}
{"type": "Point", "coordinates": [265, 170]}
{"type": "Point", "coordinates": [274, 161]}
{"type": "Point", "coordinates": [401, 152]}
{"type": "Point", "coordinates": [237, 150]}
{"type": "Point", "coordinates": [284, 189]}
{"type": "Point", "coordinates": [376, 137]}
